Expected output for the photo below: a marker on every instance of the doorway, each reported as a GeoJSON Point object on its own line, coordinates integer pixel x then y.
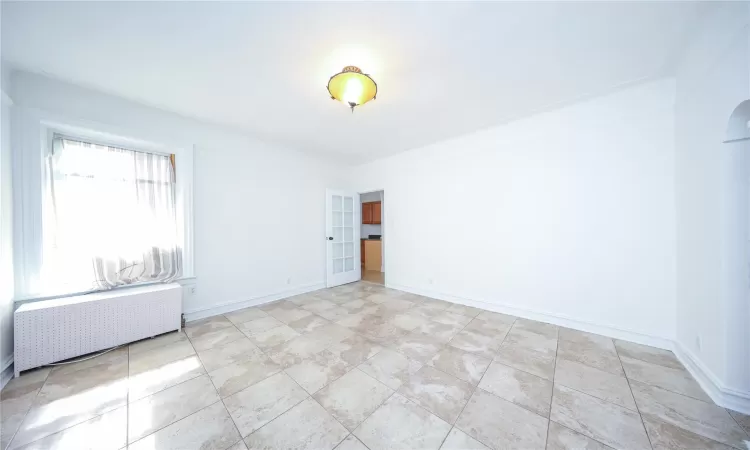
{"type": "Point", "coordinates": [372, 236]}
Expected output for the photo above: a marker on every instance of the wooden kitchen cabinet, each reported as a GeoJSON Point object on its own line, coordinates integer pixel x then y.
{"type": "Point", "coordinates": [366, 213]}
{"type": "Point", "coordinates": [372, 213]}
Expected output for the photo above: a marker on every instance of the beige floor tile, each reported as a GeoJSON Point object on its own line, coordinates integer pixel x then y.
{"type": "Point", "coordinates": [159, 356]}
{"type": "Point", "coordinates": [147, 344]}
{"type": "Point", "coordinates": [235, 377]}
{"type": "Point", "coordinates": [496, 318]}
{"type": "Point", "coordinates": [308, 324]}
{"type": "Point", "coordinates": [390, 368]}
{"type": "Point", "coordinates": [500, 424]}
{"type": "Point", "coordinates": [318, 305]}
{"type": "Point", "coordinates": [442, 394]}
{"type": "Point", "coordinates": [448, 317]}
{"type": "Point", "coordinates": [105, 432]}
{"type": "Point", "coordinates": [458, 440]}
{"type": "Point", "coordinates": [351, 443]}
{"type": "Point", "coordinates": [439, 331]}
{"type": "Point", "coordinates": [16, 399]}
{"type": "Point", "coordinates": [463, 365]}
{"type": "Point", "coordinates": [255, 406]}
{"type": "Point", "coordinates": [74, 398]}
{"type": "Point", "coordinates": [418, 346]}
{"type": "Point", "coordinates": [523, 336]}
{"type": "Point", "coordinates": [467, 311]}
{"type": "Point", "coordinates": [233, 352]}
{"type": "Point", "coordinates": [401, 424]}
{"type": "Point", "coordinates": [408, 321]}
{"type": "Point", "coordinates": [168, 406]}
{"type": "Point", "coordinates": [288, 315]}
{"type": "Point", "coordinates": [339, 313]}
{"type": "Point", "coordinates": [103, 361]}
{"type": "Point", "coordinates": [590, 349]}
{"type": "Point", "coordinates": [353, 397]}
{"type": "Point", "coordinates": [209, 428]}
{"type": "Point", "coordinates": [605, 422]}
{"type": "Point", "coordinates": [547, 330]}
{"type": "Point", "coordinates": [296, 350]}
{"type": "Point", "coordinates": [274, 336]}
{"type": "Point", "coordinates": [307, 426]}
{"type": "Point", "coordinates": [524, 389]}
{"type": "Point", "coordinates": [651, 355]}
{"type": "Point", "coordinates": [331, 334]}
{"type": "Point", "coordinates": [203, 326]}
{"type": "Point", "coordinates": [537, 362]}
{"type": "Point", "coordinates": [355, 349]}
{"type": "Point", "coordinates": [477, 343]}
{"type": "Point", "coordinates": [675, 380]}
{"type": "Point", "coordinates": [318, 370]}
{"type": "Point", "coordinates": [279, 304]}
{"type": "Point", "coordinates": [427, 311]}
{"type": "Point", "coordinates": [561, 438]}
{"type": "Point", "coordinates": [703, 418]}
{"type": "Point", "coordinates": [245, 315]}
{"type": "Point", "coordinates": [159, 378]}
{"type": "Point", "coordinates": [238, 446]}
{"type": "Point", "coordinates": [216, 338]}
{"type": "Point", "coordinates": [742, 420]}
{"type": "Point", "coordinates": [597, 383]}
{"type": "Point", "coordinates": [259, 325]}
{"type": "Point", "coordinates": [669, 437]}
{"type": "Point", "coordinates": [492, 329]}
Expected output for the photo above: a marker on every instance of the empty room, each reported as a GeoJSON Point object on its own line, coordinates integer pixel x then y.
{"type": "Point", "coordinates": [459, 225]}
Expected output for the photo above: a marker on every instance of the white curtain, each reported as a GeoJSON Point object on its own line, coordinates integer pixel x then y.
{"type": "Point", "coordinates": [110, 218]}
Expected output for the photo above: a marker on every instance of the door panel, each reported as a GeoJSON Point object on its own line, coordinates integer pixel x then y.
{"type": "Point", "coordinates": [366, 213]}
{"type": "Point", "coordinates": [376, 212]}
{"type": "Point", "coordinates": [342, 237]}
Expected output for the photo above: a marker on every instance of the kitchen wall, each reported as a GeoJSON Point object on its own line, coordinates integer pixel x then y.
{"type": "Point", "coordinates": [712, 185]}
{"type": "Point", "coordinates": [248, 195]}
{"type": "Point", "coordinates": [368, 229]}
{"type": "Point", "coordinates": [566, 216]}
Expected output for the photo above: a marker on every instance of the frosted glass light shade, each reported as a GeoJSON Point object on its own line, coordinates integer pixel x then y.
{"type": "Point", "coordinates": [352, 87]}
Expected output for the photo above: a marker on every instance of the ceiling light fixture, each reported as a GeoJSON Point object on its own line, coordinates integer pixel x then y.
{"type": "Point", "coordinates": [352, 87]}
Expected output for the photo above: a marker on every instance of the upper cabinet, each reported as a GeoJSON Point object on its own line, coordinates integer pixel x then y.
{"type": "Point", "coordinates": [372, 213]}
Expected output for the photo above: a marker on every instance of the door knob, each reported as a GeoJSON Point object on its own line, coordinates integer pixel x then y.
{"type": "Point", "coordinates": [330, 238]}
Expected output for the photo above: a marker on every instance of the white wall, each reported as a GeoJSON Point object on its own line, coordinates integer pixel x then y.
{"type": "Point", "coordinates": [568, 213]}
{"type": "Point", "coordinates": [248, 196]}
{"type": "Point", "coordinates": [6, 231]}
{"type": "Point", "coordinates": [712, 185]}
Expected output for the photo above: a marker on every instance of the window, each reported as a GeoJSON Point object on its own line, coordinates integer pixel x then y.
{"type": "Point", "coordinates": [109, 218]}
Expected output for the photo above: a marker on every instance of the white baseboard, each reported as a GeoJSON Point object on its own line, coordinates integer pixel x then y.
{"type": "Point", "coordinates": [542, 316]}
{"type": "Point", "coordinates": [722, 395]}
{"type": "Point", "coordinates": [6, 373]}
{"type": "Point", "coordinates": [223, 308]}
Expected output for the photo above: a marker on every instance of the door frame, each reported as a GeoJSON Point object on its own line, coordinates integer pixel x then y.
{"type": "Point", "coordinates": [383, 239]}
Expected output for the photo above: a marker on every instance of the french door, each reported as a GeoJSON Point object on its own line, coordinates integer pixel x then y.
{"type": "Point", "coordinates": [342, 238]}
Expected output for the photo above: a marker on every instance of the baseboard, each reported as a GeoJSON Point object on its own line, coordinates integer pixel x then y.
{"type": "Point", "coordinates": [722, 395]}
{"type": "Point", "coordinates": [543, 316]}
{"type": "Point", "coordinates": [223, 308]}
{"type": "Point", "coordinates": [6, 373]}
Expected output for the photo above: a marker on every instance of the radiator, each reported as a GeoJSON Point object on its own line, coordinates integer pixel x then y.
{"type": "Point", "coordinates": [53, 330]}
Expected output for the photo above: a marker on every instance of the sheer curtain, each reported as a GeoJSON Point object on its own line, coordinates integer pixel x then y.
{"type": "Point", "coordinates": [109, 218]}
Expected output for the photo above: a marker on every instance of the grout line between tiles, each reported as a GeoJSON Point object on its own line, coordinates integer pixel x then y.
{"type": "Point", "coordinates": [640, 416]}
{"type": "Point", "coordinates": [552, 393]}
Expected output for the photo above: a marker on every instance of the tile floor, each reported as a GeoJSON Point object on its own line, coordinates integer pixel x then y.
{"type": "Point", "coordinates": [364, 367]}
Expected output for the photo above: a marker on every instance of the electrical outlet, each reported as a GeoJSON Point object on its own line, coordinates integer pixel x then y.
{"type": "Point", "coordinates": [698, 342]}
{"type": "Point", "coordinates": [430, 280]}
{"type": "Point", "coordinates": [192, 290]}
{"type": "Point", "coordinates": [289, 280]}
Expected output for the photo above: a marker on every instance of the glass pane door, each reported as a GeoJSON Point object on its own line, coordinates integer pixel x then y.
{"type": "Point", "coordinates": [342, 217]}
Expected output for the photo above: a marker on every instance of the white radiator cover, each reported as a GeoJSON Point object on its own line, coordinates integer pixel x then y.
{"type": "Point", "coordinates": [53, 330]}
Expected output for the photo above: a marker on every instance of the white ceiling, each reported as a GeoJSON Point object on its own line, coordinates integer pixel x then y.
{"type": "Point", "coordinates": [443, 69]}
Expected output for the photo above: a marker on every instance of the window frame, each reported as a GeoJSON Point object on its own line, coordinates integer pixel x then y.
{"type": "Point", "coordinates": [32, 137]}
